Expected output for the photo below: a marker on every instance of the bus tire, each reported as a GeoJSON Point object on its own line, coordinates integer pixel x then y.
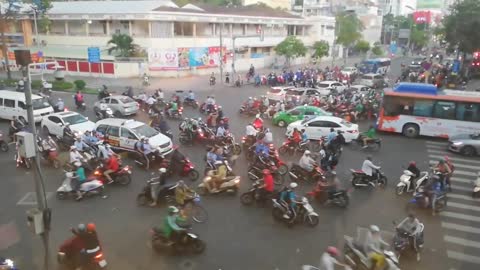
{"type": "Point", "coordinates": [411, 130]}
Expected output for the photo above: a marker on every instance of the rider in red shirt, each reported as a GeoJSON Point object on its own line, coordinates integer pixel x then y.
{"type": "Point", "coordinates": [258, 122]}
{"type": "Point", "coordinates": [112, 166]}
{"type": "Point", "coordinates": [268, 185]}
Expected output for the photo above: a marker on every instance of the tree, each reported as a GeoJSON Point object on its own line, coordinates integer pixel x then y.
{"type": "Point", "coordinates": [320, 49]}
{"type": "Point", "coordinates": [462, 24]}
{"type": "Point", "coordinates": [291, 47]}
{"type": "Point", "coordinates": [419, 37]}
{"type": "Point", "coordinates": [122, 44]}
{"type": "Point", "coordinates": [362, 46]}
{"type": "Point", "coordinates": [349, 30]}
{"type": "Point", "coordinates": [377, 50]}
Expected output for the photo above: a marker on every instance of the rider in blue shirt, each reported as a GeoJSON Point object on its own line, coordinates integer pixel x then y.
{"type": "Point", "coordinates": [331, 136]}
{"type": "Point", "coordinates": [288, 196]}
{"type": "Point", "coordinates": [190, 96]}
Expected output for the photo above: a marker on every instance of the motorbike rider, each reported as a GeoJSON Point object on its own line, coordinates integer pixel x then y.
{"type": "Point", "coordinates": [112, 166]}
{"type": "Point", "coordinates": [368, 167]}
{"type": "Point", "coordinates": [444, 171]}
{"type": "Point", "coordinates": [80, 178]}
{"type": "Point", "coordinates": [307, 162]}
{"type": "Point", "coordinates": [190, 96]}
{"type": "Point", "coordinates": [449, 175]}
{"type": "Point", "coordinates": [210, 103]}
{"type": "Point", "coordinates": [89, 138]}
{"type": "Point", "coordinates": [251, 132]}
{"type": "Point", "coordinates": [258, 122]}
{"type": "Point", "coordinates": [156, 185]}
{"type": "Point", "coordinates": [145, 149]}
{"type": "Point", "coordinates": [374, 246]}
{"type": "Point", "coordinates": [59, 106]}
{"type": "Point", "coordinates": [412, 167]}
{"type": "Point", "coordinates": [331, 136]}
{"type": "Point", "coordinates": [268, 139]}
{"type": "Point", "coordinates": [295, 138]}
{"type": "Point", "coordinates": [337, 143]}
{"type": "Point", "coordinates": [368, 136]}
{"type": "Point", "coordinates": [183, 193]}
{"type": "Point", "coordinates": [173, 107]}
{"type": "Point", "coordinates": [103, 93]}
{"type": "Point", "coordinates": [159, 95]}
{"type": "Point", "coordinates": [75, 155]}
{"type": "Point", "coordinates": [104, 150]}
{"type": "Point", "coordinates": [171, 229]}
{"type": "Point", "coordinates": [251, 70]}
{"type": "Point", "coordinates": [287, 196]}
{"type": "Point", "coordinates": [80, 145]}
{"type": "Point", "coordinates": [15, 126]}
{"type": "Point", "coordinates": [78, 98]}
{"type": "Point", "coordinates": [411, 225]}
{"type": "Point", "coordinates": [221, 132]}
{"type": "Point", "coordinates": [216, 177]}
{"type": "Point", "coordinates": [329, 259]}
{"type": "Point", "coordinates": [268, 185]}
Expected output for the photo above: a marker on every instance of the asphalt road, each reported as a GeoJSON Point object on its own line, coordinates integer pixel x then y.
{"type": "Point", "coordinates": [237, 237]}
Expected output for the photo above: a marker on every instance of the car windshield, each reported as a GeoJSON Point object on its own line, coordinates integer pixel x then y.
{"type": "Point", "coordinates": [145, 130]}
{"type": "Point", "coordinates": [294, 92]}
{"type": "Point", "coordinates": [126, 100]}
{"type": "Point", "coordinates": [275, 91]}
{"type": "Point", "coordinates": [305, 120]}
{"type": "Point", "coordinates": [75, 119]}
{"type": "Point", "coordinates": [323, 85]}
{"type": "Point", "coordinates": [40, 103]}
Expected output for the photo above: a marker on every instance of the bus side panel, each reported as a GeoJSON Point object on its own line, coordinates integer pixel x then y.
{"type": "Point", "coordinates": [388, 123]}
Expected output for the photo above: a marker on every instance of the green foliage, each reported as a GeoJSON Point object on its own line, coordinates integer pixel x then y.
{"type": "Point", "coordinates": [377, 50]}
{"type": "Point", "coordinates": [321, 49]}
{"type": "Point", "coordinates": [62, 85]}
{"type": "Point", "coordinates": [80, 84]}
{"type": "Point", "coordinates": [291, 47]}
{"type": "Point", "coordinates": [419, 38]}
{"type": "Point", "coordinates": [462, 25]}
{"type": "Point", "coordinates": [36, 84]}
{"type": "Point", "coordinates": [349, 29]}
{"type": "Point", "coordinates": [122, 44]}
{"type": "Point", "coordinates": [362, 46]}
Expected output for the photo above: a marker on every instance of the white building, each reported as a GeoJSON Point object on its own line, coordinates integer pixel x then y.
{"type": "Point", "coordinates": [179, 40]}
{"type": "Point", "coordinates": [397, 7]}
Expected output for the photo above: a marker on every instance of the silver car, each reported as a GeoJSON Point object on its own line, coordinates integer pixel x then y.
{"type": "Point", "coordinates": [465, 144]}
{"type": "Point", "coordinates": [120, 105]}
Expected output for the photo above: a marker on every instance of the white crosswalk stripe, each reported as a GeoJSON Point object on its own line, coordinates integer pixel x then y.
{"type": "Point", "coordinates": [461, 220]}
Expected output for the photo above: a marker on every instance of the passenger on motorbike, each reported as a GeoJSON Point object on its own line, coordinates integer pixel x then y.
{"type": "Point", "coordinates": [368, 167]}
{"type": "Point", "coordinates": [183, 193]}
{"type": "Point", "coordinates": [171, 229]}
{"type": "Point", "coordinates": [287, 196]}
{"type": "Point", "coordinates": [329, 259]}
{"type": "Point", "coordinates": [80, 178]}
{"type": "Point", "coordinates": [368, 136]}
{"type": "Point", "coordinates": [75, 155]}
{"type": "Point", "coordinates": [374, 246]}
{"type": "Point", "coordinates": [221, 132]}
{"type": "Point", "coordinates": [268, 139]}
{"type": "Point", "coordinates": [411, 225]}
{"type": "Point", "coordinates": [268, 185]}
{"type": "Point", "coordinates": [306, 161]}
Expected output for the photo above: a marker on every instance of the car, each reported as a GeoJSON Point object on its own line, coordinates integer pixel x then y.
{"type": "Point", "coordinates": [372, 80]}
{"type": "Point", "coordinates": [282, 119]}
{"type": "Point", "coordinates": [277, 93]}
{"type": "Point", "coordinates": [417, 61]}
{"type": "Point", "coordinates": [302, 94]}
{"type": "Point", "coordinates": [360, 88]}
{"type": "Point", "coordinates": [349, 71]}
{"type": "Point", "coordinates": [120, 105]}
{"type": "Point", "coordinates": [123, 134]}
{"type": "Point", "coordinates": [327, 85]}
{"type": "Point", "coordinates": [320, 126]}
{"type": "Point", "coordinates": [54, 123]}
{"type": "Point", "coordinates": [465, 144]}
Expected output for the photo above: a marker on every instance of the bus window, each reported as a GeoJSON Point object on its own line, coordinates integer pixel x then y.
{"type": "Point", "coordinates": [468, 112]}
{"type": "Point", "coordinates": [395, 106]}
{"type": "Point", "coordinates": [444, 110]}
{"type": "Point", "coordinates": [423, 108]}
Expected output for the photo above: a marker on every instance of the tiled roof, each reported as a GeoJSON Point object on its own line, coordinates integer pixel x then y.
{"type": "Point", "coordinates": [108, 7]}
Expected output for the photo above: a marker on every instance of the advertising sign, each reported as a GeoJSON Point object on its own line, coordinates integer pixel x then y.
{"type": "Point", "coordinates": [183, 58]}
{"type": "Point", "coordinates": [421, 17]}
{"type": "Point", "coordinates": [430, 4]}
{"type": "Point", "coordinates": [162, 59]}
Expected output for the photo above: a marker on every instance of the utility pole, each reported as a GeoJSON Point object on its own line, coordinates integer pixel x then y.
{"type": "Point", "coordinates": [234, 72]}
{"type": "Point", "coordinates": [221, 53]}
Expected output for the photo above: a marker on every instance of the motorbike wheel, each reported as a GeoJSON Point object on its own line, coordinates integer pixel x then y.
{"type": "Point", "coordinates": [312, 220]}
{"type": "Point", "coordinates": [195, 212]}
{"type": "Point", "coordinates": [278, 179]}
{"type": "Point", "coordinates": [4, 147]}
{"type": "Point", "coordinates": [61, 195]}
{"type": "Point", "coordinates": [399, 190]}
{"type": "Point", "coordinates": [283, 169]}
{"type": "Point", "coordinates": [282, 150]}
{"type": "Point", "coordinates": [142, 199]}
{"type": "Point", "coordinates": [277, 214]}
{"type": "Point", "coordinates": [198, 246]}
{"type": "Point", "coordinates": [356, 181]}
{"type": "Point", "coordinates": [382, 182]}
{"type": "Point", "coordinates": [252, 174]}
{"type": "Point", "coordinates": [343, 201]}
{"type": "Point", "coordinates": [441, 204]}
{"type": "Point", "coordinates": [183, 140]}
{"type": "Point", "coordinates": [56, 163]}
{"type": "Point", "coordinates": [123, 179]}
{"type": "Point", "coordinates": [247, 198]}
{"type": "Point", "coordinates": [193, 175]}
{"type": "Point", "coordinates": [237, 149]}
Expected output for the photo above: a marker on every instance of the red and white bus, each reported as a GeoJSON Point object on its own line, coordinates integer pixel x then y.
{"type": "Point", "coordinates": [415, 109]}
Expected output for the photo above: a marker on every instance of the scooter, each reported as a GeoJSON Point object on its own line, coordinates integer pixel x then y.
{"type": "Point", "coordinates": [103, 114]}
{"type": "Point", "coordinates": [122, 176]}
{"type": "Point", "coordinates": [50, 153]}
{"type": "Point", "coordinates": [422, 199]}
{"type": "Point", "coordinates": [231, 184]}
{"type": "Point", "coordinates": [406, 182]}
{"type": "Point", "coordinates": [166, 193]}
{"type": "Point", "coordinates": [187, 168]}
{"type": "Point", "coordinates": [360, 179]}
{"type": "Point", "coordinates": [73, 252]}
{"type": "Point", "coordinates": [304, 213]}
{"type": "Point", "coordinates": [253, 195]}
{"type": "Point", "coordinates": [476, 188]}
{"type": "Point", "coordinates": [297, 173]}
{"type": "Point", "coordinates": [358, 260]}
{"type": "Point", "coordinates": [187, 242]}
{"type": "Point", "coordinates": [90, 187]}
{"type": "Point", "coordinates": [339, 197]}
{"type": "Point", "coordinates": [403, 241]}
{"type": "Point", "coordinates": [3, 144]}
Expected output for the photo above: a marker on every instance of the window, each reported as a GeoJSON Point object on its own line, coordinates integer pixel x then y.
{"type": "Point", "coordinates": [113, 131]}
{"type": "Point", "coordinates": [21, 104]}
{"type": "Point", "coordinates": [423, 108]}
{"type": "Point", "coordinates": [9, 103]}
{"type": "Point", "coordinates": [468, 112]}
{"type": "Point", "coordinates": [444, 110]}
{"type": "Point", "coordinates": [311, 92]}
{"type": "Point", "coordinates": [331, 124]}
{"type": "Point", "coordinates": [394, 106]}
{"type": "Point", "coordinates": [125, 133]}
{"type": "Point", "coordinates": [294, 112]}
{"type": "Point", "coordinates": [106, 100]}
{"type": "Point", "coordinates": [113, 101]}
{"type": "Point", "coordinates": [1, 101]}
{"type": "Point", "coordinates": [310, 112]}
{"type": "Point", "coordinates": [318, 124]}
{"type": "Point", "coordinates": [102, 128]}
{"type": "Point", "coordinates": [54, 119]}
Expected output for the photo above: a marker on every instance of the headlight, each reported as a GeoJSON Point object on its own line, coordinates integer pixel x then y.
{"type": "Point", "coordinates": [457, 143]}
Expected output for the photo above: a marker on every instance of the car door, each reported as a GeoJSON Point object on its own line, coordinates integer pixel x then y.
{"type": "Point", "coordinates": [9, 108]}
{"type": "Point", "coordinates": [309, 114]}
{"type": "Point", "coordinates": [316, 129]}
{"type": "Point", "coordinates": [106, 101]}
{"type": "Point", "coordinates": [127, 139]}
{"type": "Point", "coordinates": [116, 106]}
{"type": "Point", "coordinates": [55, 125]}
{"type": "Point", "coordinates": [294, 115]}
{"type": "Point", "coordinates": [112, 136]}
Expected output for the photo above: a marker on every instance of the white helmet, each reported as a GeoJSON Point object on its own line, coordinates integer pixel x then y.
{"type": "Point", "coordinates": [77, 163]}
{"type": "Point", "coordinates": [293, 185]}
{"type": "Point", "coordinates": [257, 116]}
{"type": "Point", "coordinates": [307, 152]}
{"type": "Point", "coordinates": [374, 228]}
{"type": "Point", "coordinates": [162, 170]}
{"type": "Point", "coordinates": [249, 97]}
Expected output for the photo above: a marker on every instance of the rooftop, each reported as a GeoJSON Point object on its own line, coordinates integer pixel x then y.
{"type": "Point", "coordinates": [108, 7]}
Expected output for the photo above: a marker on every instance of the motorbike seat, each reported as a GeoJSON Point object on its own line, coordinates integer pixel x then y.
{"type": "Point", "coordinates": [357, 171]}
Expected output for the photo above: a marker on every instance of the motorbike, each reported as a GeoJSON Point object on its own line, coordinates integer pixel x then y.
{"type": "Point", "coordinates": [103, 114]}
{"type": "Point", "coordinates": [253, 195]}
{"type": "Point", "coordinates": [3, 144]}
{"type": "Point", "coordinates": [255, 172]}
{"type": "Point", "coordinates": [166, 193]}
{"type": "Point", "coordinates": [231, 146]}
{"type": "Point", "coordinates": [88, 188]}
{"type": "Point", "coordinates": [122, 176]}
{"type": "Point", "coordinates": [476, 188]}
{"type": "Point", "coordinates": [188, 242]}
{"type": "Point", "coordinates": [423, 198]}
{"type": "Point", "coordinates": [360, 179]}
{"type": "Point", "coordinates": [298, 173]}
{"type": "Point", "coordinates": [187, 168]}
{"type": "Point", "coordinates": [373, 144]}
{"type": "Point", "coordinates": [202, 135]}
{"type": "Point", "coordinates": [103, 93]}
{"type": "Point", "coordinates": [212, 80]}
{"type": "Point", "coordinates": [321, 193]}
{"type": "Point", "coordinates": [191, 103]}
{"type": "Point", "coordinates": [72, 254]}
{"type": "Point", "coordinates": [49, 152]}
{"type": "Point", "coordinates": [204, 109]}
{"type": "Point", "coordinates": [230, 184]}
{"type": "Point", "coordinates": [304, 213]}
{"type": "Point", "coordinates": [404, 242]}
{"type": "Point", "coordinates": [290, 147]}
{"type": "Point", "coordinates": [358, 260]}
{"type": "Point", "coordinates": [244, 109]}
{"type": "Point", "coordinates": [7, 264]}
{"type": "Point", "coordinates": [80, 105]}
{"type": "Point", "coordinates": [176, 114]}
{"type": "Point", "coordinates": [406, 183]}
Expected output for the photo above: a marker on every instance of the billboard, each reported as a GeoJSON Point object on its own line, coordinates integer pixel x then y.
{"type": "Point", "coordinates": [421, 17]}
{"type": "Point", "coordinates": [162, 59]}
{"type": "Point", "coordinates": [437, 4]}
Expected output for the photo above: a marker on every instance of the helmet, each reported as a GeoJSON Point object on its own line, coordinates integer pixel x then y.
{"type": "Point", "coordinates": [412, 163]}
{"type": "Point", "coordinates": [91, 227]}
{"type": "Point", "coordinates": [257, 116]}
{"type": "Point", "coordinates": [249, 97]}
{"type": "Point", "coordinates": [72, 147]}
{"type": "Point", "coordinates": [81, 227]}
{"type": "Point", "coordinates": [333, 251]}
{"type": "Point", "coordinates": [162, 170]}
{"type": "Point", "coordinates": [77, 164]}
{"type": "Point", "coordinates": [293, 185]}
{"type": "Point", "coordinates": [142, 138]}
{"type": "Point", "coordinates": [307, 152]}
{"type": "Point", "coordinates": [446, 158]}
{"type": "Point", "coordinates": [374, 229]}
{"type": "Point", "coordinates": [172, 209]}
{"type": "Point", "coordinates": [369, 157]}
{"type": "Point", "coordinates": [266, 171]}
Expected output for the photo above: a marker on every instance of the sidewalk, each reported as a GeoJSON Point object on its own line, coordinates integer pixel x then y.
{"type": "Point", "coordinates": [196, 83]}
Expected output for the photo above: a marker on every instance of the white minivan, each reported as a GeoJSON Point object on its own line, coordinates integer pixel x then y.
{"type": "Point", "coordinates": [13, 104]}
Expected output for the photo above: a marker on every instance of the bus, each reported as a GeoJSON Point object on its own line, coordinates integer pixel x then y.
{"type": "Point", "coordinates": [416, 109]}
{"type": "Point", "coordinates": [377, 65]}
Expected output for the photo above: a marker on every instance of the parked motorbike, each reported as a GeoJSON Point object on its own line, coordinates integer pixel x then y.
{"type": "Point", "coordinates": [3, 144]}
{"type": "Point", "coordinates": [297, 173]}
{"type": "Point", "coordinates": [403, 242]}
{"type": "Point", "coordinates": [406, 183]}
{"type": "Point", "coordinates": [72, 254]}
{"type": "Point", "coordinates": [187, 242]}
{"type": "Point", "coordinates": [303, 213]}
{"type": "Point", "coordinates": [122, 176]}
{"type": "Point", "coordinates": [88, 188]}
{"type": "Point", "coordinates": [321, 193]}
{"type": "Point", "coordinates": [360, 179]}
{"type": "Point", "coordinates": [231, 184]}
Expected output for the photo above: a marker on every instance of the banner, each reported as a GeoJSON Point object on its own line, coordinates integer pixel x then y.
{"type": "Point", "coordinates": [421, 17]}
{"type": "Point", "coordinates": [161, 59]}
{"type": "Point", "coordinates": [198, 57]}
{"type": "Point", "coordinates": [214, 56]}
{"type": "Point", "coordinates": [430, 4]}
{"type": "Point", "coordinates": [183, 58]}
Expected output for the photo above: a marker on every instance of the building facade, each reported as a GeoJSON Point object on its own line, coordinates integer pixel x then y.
{"type": "Point", "coordinates": [283, 4]}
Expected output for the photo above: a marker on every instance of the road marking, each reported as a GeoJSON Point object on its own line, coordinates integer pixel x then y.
{"type": "Point", "coordinates": [461, 241]}
{"type": "Point", "coordinates": [463, 257]}
{"type": "Point", "coordinates": [476, 161]}
{"type": "Point", "coordinates": [461, 180]}
{"type": "Point", "coordinates": [460, 165]}
{"type": "Point", "coordinates": [462, 197]}
{"type": "Point", "coordinates": [463, 206]}
{"type": "Point", "coordinates": [437, 147]}
{"type": "Point", "coordinates": [459, 227]}
{"type": "Point", "coordinates": [31, 199]}
{"type": "Point", "coordinates": [459, 216]}
{"type": "Point", "coordinates": [455, 187]}
{"type": "Point", "coordinates": [437, 143]}
{"type": "Point", "coordinates": [438, 151]}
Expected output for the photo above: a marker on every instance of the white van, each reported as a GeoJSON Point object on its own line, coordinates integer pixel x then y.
{"type": "Point", "coordinates": [13, 104]}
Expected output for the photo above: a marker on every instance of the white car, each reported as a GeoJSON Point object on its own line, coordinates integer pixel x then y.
{"type": "Point", "coordinates": [349, 71]}
{"type": "Point", "coordinates": [277, 93]}
{"type": "Point", "coordinates": [327, 85]}
{"type": "Point", "coordinates": [320, 126]}
{"type": "Point", "coordinates": [360, 88]}
{"type": "Point", "coordinates": [123, 134]}
{"type": "Point", "coordinates": [55, 123]}
{"type": "Point", "coordinates": [302, 94]}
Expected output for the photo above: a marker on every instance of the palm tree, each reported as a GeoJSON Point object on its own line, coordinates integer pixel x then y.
{"type": "Point", "coordinates": [122, 44]}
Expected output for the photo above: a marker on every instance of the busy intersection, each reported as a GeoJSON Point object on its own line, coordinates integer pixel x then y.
{"type": "Point", "coordinates": [248, 237]}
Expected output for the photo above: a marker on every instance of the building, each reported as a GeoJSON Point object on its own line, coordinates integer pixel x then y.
{"type": "Point", "coordinates": [282, 4]}
{"type": "Point", "coordinates": [175, 41]}
{"type": "Point", "coordinates": [397, 7]}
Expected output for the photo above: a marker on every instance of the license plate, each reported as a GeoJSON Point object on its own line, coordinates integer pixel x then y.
{"type": "Point", "coordinates": [308, 207]}
{"type": "Point", "coordinates": [102, 263]}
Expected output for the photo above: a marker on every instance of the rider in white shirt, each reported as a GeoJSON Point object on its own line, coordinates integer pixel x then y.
{"type": "Point", "coordinates": [368, 166]}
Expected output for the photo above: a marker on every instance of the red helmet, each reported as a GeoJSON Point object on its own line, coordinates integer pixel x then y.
{"type": "Point", "coordinates": [91, 227]}
{"type": "Point", "coordinates": [333, 251]}
{"type": "Point", "coordinates": [412, 163]}
{"type": "Point", "coordinates": [266, 171]}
